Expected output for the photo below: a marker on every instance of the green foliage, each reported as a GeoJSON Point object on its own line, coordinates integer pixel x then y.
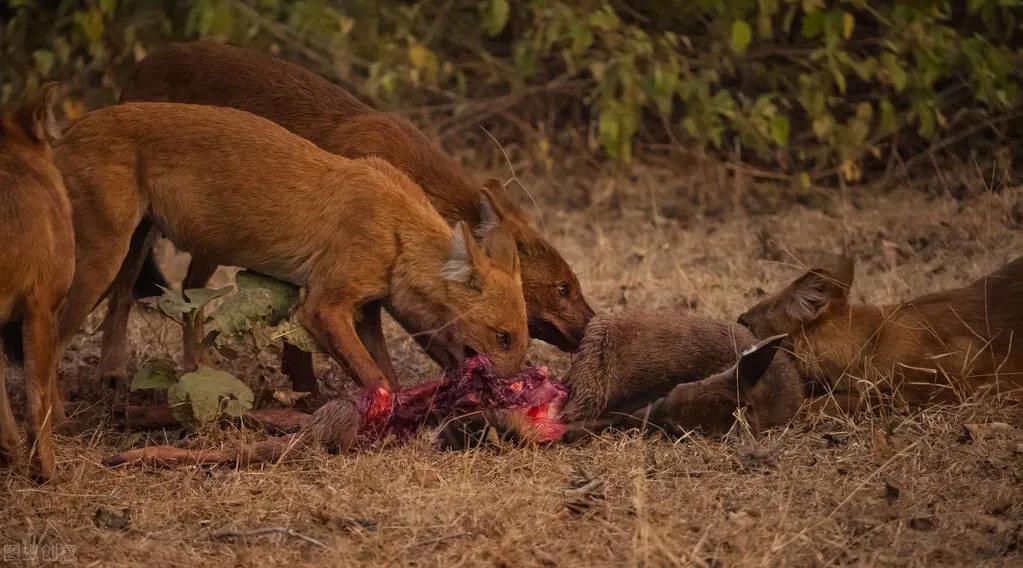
{"type": "Point", "coordinates": [201, 397]}
{"type": "Point", "coordinates": [198, 398]}
{"type": "Point", "coordinates": [185, 307]}
{"type": "Point", "coordinates": [802, 86]}
{"type": "Point", "coordinates": [155, 374]}
{"type": "Point", "coordinates": [262, 310]}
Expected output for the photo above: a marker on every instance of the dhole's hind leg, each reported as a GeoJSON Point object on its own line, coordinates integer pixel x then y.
{"type": "Point", "coordinates": [113, 360]}
{"type": "Point", "coordinates": [298, 366]}
{"type": "Point", "coordinates": [96, 266]}
{"type": "Point", "coordinates": [41, 348]}
{"type": "Point", "coordinates": [9, 449]}
{"type": "Point", "coordinates": [199, 273]}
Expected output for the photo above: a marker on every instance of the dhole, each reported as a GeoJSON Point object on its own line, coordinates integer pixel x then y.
{"type": "Point", "coordinates": [936, 348]}
{"type": "Point", "coordinates": [239, 190]}
{"type": "Point", "coordinates": [37, 264]}
{"type": "Point", "coordinates": [301, 101]}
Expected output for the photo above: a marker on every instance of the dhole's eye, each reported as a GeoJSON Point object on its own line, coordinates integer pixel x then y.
{"type": "Point", "coordinates": [563, 290]}
{"type": "Point", "coordinates": [504, 339]}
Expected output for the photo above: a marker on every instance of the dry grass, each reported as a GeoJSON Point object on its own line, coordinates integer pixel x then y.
{"type": "Point", "coordinates": [899, 487]}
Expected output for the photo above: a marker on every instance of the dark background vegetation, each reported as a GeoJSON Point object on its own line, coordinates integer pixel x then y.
{"type": "Point", "coordinates": [809, 93]}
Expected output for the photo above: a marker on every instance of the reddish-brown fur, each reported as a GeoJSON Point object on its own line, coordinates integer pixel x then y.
{"type": "Point", "coordinates": [210, 73]}
{"type": "Point", "coordinates": [678, 371]}
{"type": "Point", "coordinates": [940, 347]}
{"type": "Point", "coordinates": [239, 190]}
{"type": "Point", "coordinates": [37, 265]}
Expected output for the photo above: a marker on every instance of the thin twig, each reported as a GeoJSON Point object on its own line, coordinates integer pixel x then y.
{"type": "Point", "coordinates": [233, 533]}
{"type": "Point", "coordinates": [515, 177]}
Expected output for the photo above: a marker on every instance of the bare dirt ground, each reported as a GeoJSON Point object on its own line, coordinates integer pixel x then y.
{"type": "Point", "coordinates": [897, 487]}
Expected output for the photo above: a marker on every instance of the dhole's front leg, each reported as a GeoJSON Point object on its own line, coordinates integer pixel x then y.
{"type": "Point", "coordinates": [333, 326]}
{"type": "Point", "coordinates": [9, 450]}
{"type": "Point", "coordinates": [331, 320]}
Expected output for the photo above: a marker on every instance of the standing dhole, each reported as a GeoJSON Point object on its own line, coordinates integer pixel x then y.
{"type": "Point", "coordinates": [240, 190]}
{"type": "Point", "coordinates": [940, 347]}
{"type": "Point", "coordinates": [37, 265]}
{"type": "Point", "coordinates": [306, 104]}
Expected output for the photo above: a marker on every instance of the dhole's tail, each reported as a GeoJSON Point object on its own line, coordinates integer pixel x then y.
{"type": "Point", "coordinates": [150, 279]}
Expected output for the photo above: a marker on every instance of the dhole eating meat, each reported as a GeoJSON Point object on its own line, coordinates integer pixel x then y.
{"type": "Point", "coordinates": [239, 190]}
{"type": "Point", "coordinates": [209, 73]}
{"type": "Point", "coordinates": [941, 347]}
{"type": "Point", "coordinates": [37, 265]}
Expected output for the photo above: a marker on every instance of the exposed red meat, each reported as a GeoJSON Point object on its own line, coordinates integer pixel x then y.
{"type": "Point", "coordinates": [531, 394]}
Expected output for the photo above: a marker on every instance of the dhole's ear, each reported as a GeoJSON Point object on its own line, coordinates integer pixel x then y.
{"type": "Point", "coordinates": [38, 117]}
{"type": "Point", "coordinates": [815, 290]}
{"type": "Point", "coordinates": [753, 362]}
{"type": "Point", "coordinates": [491, 214]}
{"type": "Point", "coordinates": [466, 260]}
{"type": "Point", "coordinates": [500, 247]}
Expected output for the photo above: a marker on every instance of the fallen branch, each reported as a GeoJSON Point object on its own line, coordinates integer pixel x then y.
{"type": "Point", "coordinates": [234, 533]}
{"type": "Point", "coordinates": [273, 420]}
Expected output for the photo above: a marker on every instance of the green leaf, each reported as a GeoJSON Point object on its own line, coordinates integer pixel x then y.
{"type": "Point", "coordinates": [888, 123]}
{"type": "Point", "coordinates": [259, 298]}
{"type": "Point", "coordinates": [780, 130]}
{"type": "Point", "coordinates": [848, 25]}
{"type": "Point", "coordinates": [203, 396]}
{"type": "Point", "coordinates": [813, 24]}
{"type": "Point", "coordinates": [199, 297]}
{"type": "Point", "coordinates": [896, 74]}
{"type": "Point", "coordinates": [43, 59]}
{"type": "Point", "coordinates": [108, 7]}
{"type": "Point", "coordinates": [292, 332]}
{"type": "Point", "coordinates": [155, 374]}
{"type": "Point", "coordinates": [283, 295]}
{"type": "Point", "coordinates": [90, 24]}
{"type": "Point", "coordinates": [239, 312]}
{"type": "Point", "coordinates": [839, 77]}
{"type": "Point", "coordinates": [742, 33]}
{"type": "Point", "coordinates": [171, 303]}
{"type": "Point", "coordinates": [494, 16]}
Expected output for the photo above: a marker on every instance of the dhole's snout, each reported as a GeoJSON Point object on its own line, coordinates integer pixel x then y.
{"type": "Point", "coordinates": [564, 331]}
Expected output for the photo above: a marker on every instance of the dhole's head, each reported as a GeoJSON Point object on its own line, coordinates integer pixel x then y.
{"type": "Point", "coordinates": [484, 293]}
{"type": "Point", "coordinates": [802, 302]}
{"type": "Point", "coordinates": [26, 133]}
{"type": "Point", "coordinates": [557, 311]}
